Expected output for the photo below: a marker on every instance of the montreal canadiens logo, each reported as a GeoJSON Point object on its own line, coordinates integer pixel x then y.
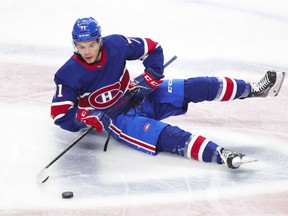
{"type": "Point", "coordinates": [147, 127]}
{"type": "Point", "coordinates": [105, 97]}
{"type": "Point", "coordinates": [109, 95]}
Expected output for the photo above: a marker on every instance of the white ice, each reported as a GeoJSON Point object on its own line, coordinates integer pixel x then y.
{"type": "Point", "coordinates": [240, 39]}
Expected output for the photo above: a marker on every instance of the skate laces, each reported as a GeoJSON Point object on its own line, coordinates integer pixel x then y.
{"type": "Point", "coordinates": [262, 85]}
{"type": "Point", "coordinates": [224, 155]}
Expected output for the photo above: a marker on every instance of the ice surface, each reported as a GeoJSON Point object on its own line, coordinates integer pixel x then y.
{"type": "Point", "coordinates": [241, 39]}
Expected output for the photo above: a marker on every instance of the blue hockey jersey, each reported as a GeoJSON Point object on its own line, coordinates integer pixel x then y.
{"type": "Point", "coordinates": [103, 84]}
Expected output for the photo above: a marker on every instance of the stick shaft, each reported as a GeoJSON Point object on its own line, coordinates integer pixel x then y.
{"type": "Point", "coordinates": [70, 146]}
{"type": "Point", "coordinates": [170, 61]}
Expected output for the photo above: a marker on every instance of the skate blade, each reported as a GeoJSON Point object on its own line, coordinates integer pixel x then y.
{"type": "Point", "coordinates": [238, 161]}
{"type": "Point", "coordinates": [276, 88]}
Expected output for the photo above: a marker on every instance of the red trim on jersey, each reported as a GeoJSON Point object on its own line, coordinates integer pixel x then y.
{"type": "Point", "coordinates": [151, 45]}
{"type": "Point", "coordinates": [196, 147]}
{"type": "Point", "coordinates": [229, 89]}
{"type": "Point", "coordinates": [83, 102]}
{"type": "Point", "coordinates": [94, 66]}
{"type": "Point", "coordinates": [59, 109]}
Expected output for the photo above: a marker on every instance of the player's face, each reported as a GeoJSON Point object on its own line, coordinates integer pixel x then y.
{"type": "Point", "coordinates": [89, 51]}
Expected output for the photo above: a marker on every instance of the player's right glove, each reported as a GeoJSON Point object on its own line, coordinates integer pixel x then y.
{"type": "Point", "coordinates": [146, 83]}
{"type": "Point", "coordinates": [96, 118]}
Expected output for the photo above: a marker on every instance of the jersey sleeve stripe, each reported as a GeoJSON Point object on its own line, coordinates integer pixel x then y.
{"type": "Point", "coordinates": [58, 109]}
{"type": "Point", "coordinates": [149, 46]}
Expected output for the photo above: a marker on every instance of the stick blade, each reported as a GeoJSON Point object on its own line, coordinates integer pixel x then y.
{"type": "Point", "coordinates": [42, 176]}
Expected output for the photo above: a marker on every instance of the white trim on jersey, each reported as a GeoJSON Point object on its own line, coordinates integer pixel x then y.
{"type": "Point", "coordinates": [59, 115]}
{"type": "Point", "coordinates": [144, 56]}
{"type": "Point", "coordinates": [62, 103]}
{"type": "Point", "coordinates": [84, 95]}
{"type": "Point", "coordinates": [133, 141]}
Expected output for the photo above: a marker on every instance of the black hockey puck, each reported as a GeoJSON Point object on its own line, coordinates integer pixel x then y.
{"type": "Point", "coordinates": [67, 194]}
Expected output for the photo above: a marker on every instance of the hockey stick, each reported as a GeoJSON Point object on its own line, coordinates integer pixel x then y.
{"type": "Point", "coordinates": [170, 61]}
{"type": "Point", "coordinates": [43, 175]}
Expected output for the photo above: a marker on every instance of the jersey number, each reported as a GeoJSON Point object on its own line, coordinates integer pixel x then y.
{"type": "Point", "coordinates": [60, 90]}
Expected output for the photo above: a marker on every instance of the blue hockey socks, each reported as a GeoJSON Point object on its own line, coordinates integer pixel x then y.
{"type": "Point", "coordinates": [177, 141]}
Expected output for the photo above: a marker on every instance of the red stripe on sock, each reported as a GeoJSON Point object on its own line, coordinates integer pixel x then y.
{"type": "Point", "coordinates": [196, 147]}
{"type": "Point", "coordinates": [229, 89]}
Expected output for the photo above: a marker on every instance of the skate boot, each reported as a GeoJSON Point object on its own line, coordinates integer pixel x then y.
{"type": "Point", "coordinates": [270, 85]}
{"type": "Point", "coordinates": [233, 160]}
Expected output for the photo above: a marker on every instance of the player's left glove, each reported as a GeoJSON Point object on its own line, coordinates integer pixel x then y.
{"type": "Point", "coordinates": [146, 83]}
{"type": "Point", "coordinates": [96, 118]}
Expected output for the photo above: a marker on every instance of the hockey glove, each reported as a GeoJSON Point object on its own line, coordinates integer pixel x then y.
{"type": "Point", "coordinates": [146, 83]}
{"type": "Point", "coordinates": [98, 119]}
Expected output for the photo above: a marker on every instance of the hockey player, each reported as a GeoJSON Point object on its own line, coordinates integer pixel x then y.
{"type": "Point", "coordinates": [94, 88]}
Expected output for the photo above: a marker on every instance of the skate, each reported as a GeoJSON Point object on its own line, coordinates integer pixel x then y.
{"type": "Point", "coordinates": [234, 160]}
{"type": "Point", "coordinates": [269, 85]}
